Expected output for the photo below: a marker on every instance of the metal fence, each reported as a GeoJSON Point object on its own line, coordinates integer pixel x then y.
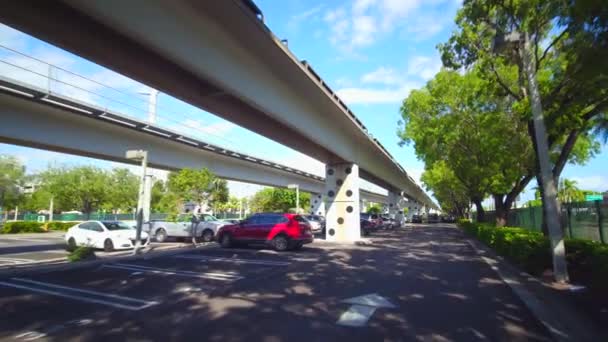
{"type": "Point", "coordinates": [99, 217]}
{"type": "Point", "coordinates": [581, 220]}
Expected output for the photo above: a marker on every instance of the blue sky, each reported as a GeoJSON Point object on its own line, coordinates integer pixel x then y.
{"type": "Point", "coordinates": [372, 52]}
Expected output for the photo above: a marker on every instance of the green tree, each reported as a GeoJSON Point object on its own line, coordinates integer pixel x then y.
{"type": "Point", "coordinates": [159, 191]}
{"type": "Point", "coordinates": [447, 189]}
{"type": "Point", "coordinates": [190, 185]}
{"type": "Point", "coordinates": [277, 200]}
{"type": "Point", "coordinates": [123, 188]}
{"type": "Point", "coordinates": [460, 121]}
{"type": "Point", "coordinates": [12, 175]}
{"type": "Point", "coordinates": [562, 46]}
{"type": "Point", "coordinates": [84, 188]}
{"type": "Point", "coordinates": [568, 192]}
{"type": "Point", "coordinates": [569, 45]}
{"type": "Point", "coordinates": [219, 194]}
{"type": "Point", "coordinates": [374, 209]}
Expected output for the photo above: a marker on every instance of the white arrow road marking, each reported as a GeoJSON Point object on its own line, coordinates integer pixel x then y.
{"type": "Point", "coordinates": [362, 309]}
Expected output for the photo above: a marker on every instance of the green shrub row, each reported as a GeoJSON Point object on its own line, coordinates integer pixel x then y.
{"type": "Point", "coordinates": [58, 225]}
{"type": "Point", "coordinates": [34, 227]}
{"type": "Point", "coordinates": [587, 260]}
{"type": "Point", "coordinates": [22, 227]}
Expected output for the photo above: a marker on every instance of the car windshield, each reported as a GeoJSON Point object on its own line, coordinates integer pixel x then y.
{"type": "Point", "coordinates": [311, 218]}
{"type": "Point", "coordinates": [117, 226]}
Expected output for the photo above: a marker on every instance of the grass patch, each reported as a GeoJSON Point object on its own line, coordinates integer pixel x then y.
{"type": "Point", "coordinates": [82, 253]}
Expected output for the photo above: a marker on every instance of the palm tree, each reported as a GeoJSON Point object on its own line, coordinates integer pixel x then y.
{"type": "Point", "coordinates": [568, 191]}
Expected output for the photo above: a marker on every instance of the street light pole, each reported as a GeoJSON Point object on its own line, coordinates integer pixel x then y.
{"type": "Point", "coordinates": [560, 269]}
{"type": "Point", "coordinates": [143, 156]}
{"type": "Point", "coordinates": [297, 187]}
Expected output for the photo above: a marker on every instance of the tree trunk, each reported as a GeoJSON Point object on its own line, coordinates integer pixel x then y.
{"type": "Point", "coordinates": [481, 214]}
{"type": "Point", "coordinates": [501, 211]}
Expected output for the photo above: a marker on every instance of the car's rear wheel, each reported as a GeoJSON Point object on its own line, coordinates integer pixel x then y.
{"type": "Point", "coordinates": [71, 244]}
{"type": "Point", "coordinates": [298, 245]}
{"type": "Point", "coordinates": [280, 243]}
{"type": "Point", "coordinates": [108, 245]}
{"type": "Point", "coordinates": [226, 241]}
{"type": "Point", "coordinates": [207, 235]}
{"type": "Point", "coordinates": [160, 235]}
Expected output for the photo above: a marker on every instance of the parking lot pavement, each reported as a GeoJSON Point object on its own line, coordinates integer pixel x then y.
{"type": "Point", "coordinates": [24, 249]}
{"type": "Point", "coordinates": [428, 284]}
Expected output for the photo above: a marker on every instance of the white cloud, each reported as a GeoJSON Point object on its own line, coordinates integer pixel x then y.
{"type": "Point", "coordinates": [364, 29]}
{"type": "Point", "coordinates": [383, 75]}
{"type": "Point", "coordinates": [596, 183]}
{"type": "Point", "coordinates": [424, 67]}
{"type": "Point", "coordinates": [371, 95]}
{"type": "Point", "coordinates": [295, 21]}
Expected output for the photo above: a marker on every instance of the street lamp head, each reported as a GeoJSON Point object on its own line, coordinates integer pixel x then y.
{"type": "Point", "coordinates": [292, 186]}
{"type": "Point", "coordinates": [136, 154]}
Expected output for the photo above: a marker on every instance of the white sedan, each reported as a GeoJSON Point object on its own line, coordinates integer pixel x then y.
{"type": "Point", "coordinates": [107, 235]}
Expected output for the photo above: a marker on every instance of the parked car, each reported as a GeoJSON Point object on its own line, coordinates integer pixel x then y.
{"type": "Point", "coordinates": [416, 219]}
{"type": "Point", "coordinates": [231, 221]}
{"type": "Point", "coordinates": [367, 227]}
{"type": "Point", "coordinates": [317, 223]}
{"type": "Point", "coordinates": [447, 219]}
{"type": "Point", "coordinates": [432, 218]}
{"type": "Point", "coordinates": [206, 227]}
{"type": "Point", "coordinates": [373, 218]}
{"type": "Point", "coordinates": [281, 231]}
{"type": "Point", "coordinates": [389, 222]}
{"type": "Point", "coordinates": [106, 235]}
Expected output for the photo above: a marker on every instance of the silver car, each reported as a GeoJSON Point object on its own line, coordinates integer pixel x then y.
{"type": "Point", "coordinates": [205, 228]}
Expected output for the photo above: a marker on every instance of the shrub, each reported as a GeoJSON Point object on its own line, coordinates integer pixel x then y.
{"type": "Point", "coordinates": [81, 253]}
{"type": "Point", "coordinates": [22, 227]}
{"type": "Point", "coordinates": [587, 260]}
{"type": "Point", "coordinates": [58, 225]}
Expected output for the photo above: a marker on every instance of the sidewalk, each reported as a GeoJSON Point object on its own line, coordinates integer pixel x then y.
{"type": "Point", "coordinates": [552, 304]}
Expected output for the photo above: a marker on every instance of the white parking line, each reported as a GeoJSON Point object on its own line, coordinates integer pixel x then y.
{"type": "Point", "coordinates": [83, 295]}
{"type": "Point", "coordinates": [223, 276]}
{"type": "Point", "coordinates": [15, 260]}
{"type": "Point", "coordinates": [234, 260]}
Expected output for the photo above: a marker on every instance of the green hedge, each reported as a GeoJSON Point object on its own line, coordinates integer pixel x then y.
{"type": "Point", "coordinates": [587, 260]}
{"type": "Point", "coordinates": [22, 227]}
{"type": "Point", "coordinates": [59, 225]}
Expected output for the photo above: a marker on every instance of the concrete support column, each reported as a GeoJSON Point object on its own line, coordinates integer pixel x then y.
{"type": "Point", "coordinates": [317, 205]}
{"type": "Point", "coordinates": [342, 202]}
{"type": "Point", "coordinates": [393, 204]}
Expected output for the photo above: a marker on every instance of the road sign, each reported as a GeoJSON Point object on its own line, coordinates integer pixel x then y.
{"type": "Point", "coordinates": [593, 197]}
{"type": "Point", "coordinates": [362, 309]}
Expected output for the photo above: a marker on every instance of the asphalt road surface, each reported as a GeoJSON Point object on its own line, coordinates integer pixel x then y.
{"type": "Point", "coordinates": [437, 287]}
{"type": "Point", "coordinates": [22, 249]}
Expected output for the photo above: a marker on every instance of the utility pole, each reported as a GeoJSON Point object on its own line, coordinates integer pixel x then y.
{"type": "Point", "coordinates": [560, 269]}
{"type": "Point", "coordinates": [51, 210]}
{"type": "Point", "coordinates": [142, 156]}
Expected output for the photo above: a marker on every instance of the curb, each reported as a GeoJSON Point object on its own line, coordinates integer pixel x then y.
{"type": "Point", "coordinates": [64, 264]}
{"type": "Point", "coordinates": [562, 324]}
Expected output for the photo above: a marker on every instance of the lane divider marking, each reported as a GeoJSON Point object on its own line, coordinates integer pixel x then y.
{"type": "Point", "coordinates": [234, 260]}
{"type": "Point", "coordinates": [79, 294]}
{"type": "Point", "coordinates": [223, 276]}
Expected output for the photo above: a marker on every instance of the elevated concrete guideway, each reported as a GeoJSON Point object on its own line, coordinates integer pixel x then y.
{"type": "Point", "coordinates": [32, 117]}
{"type": "Point", "coordinates": [218, 55]}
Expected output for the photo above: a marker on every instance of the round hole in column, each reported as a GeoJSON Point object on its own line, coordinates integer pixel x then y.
{"type": "Point", "coordinates": [319, 196]}
{"type": "Point", "coordinates": [332, 232]}
{"type": "Point", "coordinates": [340, 220]}
{"type": "Point", "coordinates": [330, 193]}
{"type": "Point", "coordinates": [349, 209]}
{"type": "Point", "coordinates": [319, 213]}
{"type": "Point", "coordinates": [339, 182]}
{"type": "Point", "coordinates": [389, 204]}
{"type": "Point", "coordinates": [330, 171]}
{"type": "Point", "coordinates": [348, 170]}
{"type": "Point", "coordinates": [315, 201]}
{"type": "Point", "coordinates": [349, 193]}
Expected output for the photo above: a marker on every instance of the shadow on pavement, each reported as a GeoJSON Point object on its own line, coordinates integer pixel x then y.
{"type": "Point", "coordinates": [442, 289]}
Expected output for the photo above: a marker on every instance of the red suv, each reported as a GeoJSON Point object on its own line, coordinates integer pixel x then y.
{"type": "Point", "coordinates": [281, 231]}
